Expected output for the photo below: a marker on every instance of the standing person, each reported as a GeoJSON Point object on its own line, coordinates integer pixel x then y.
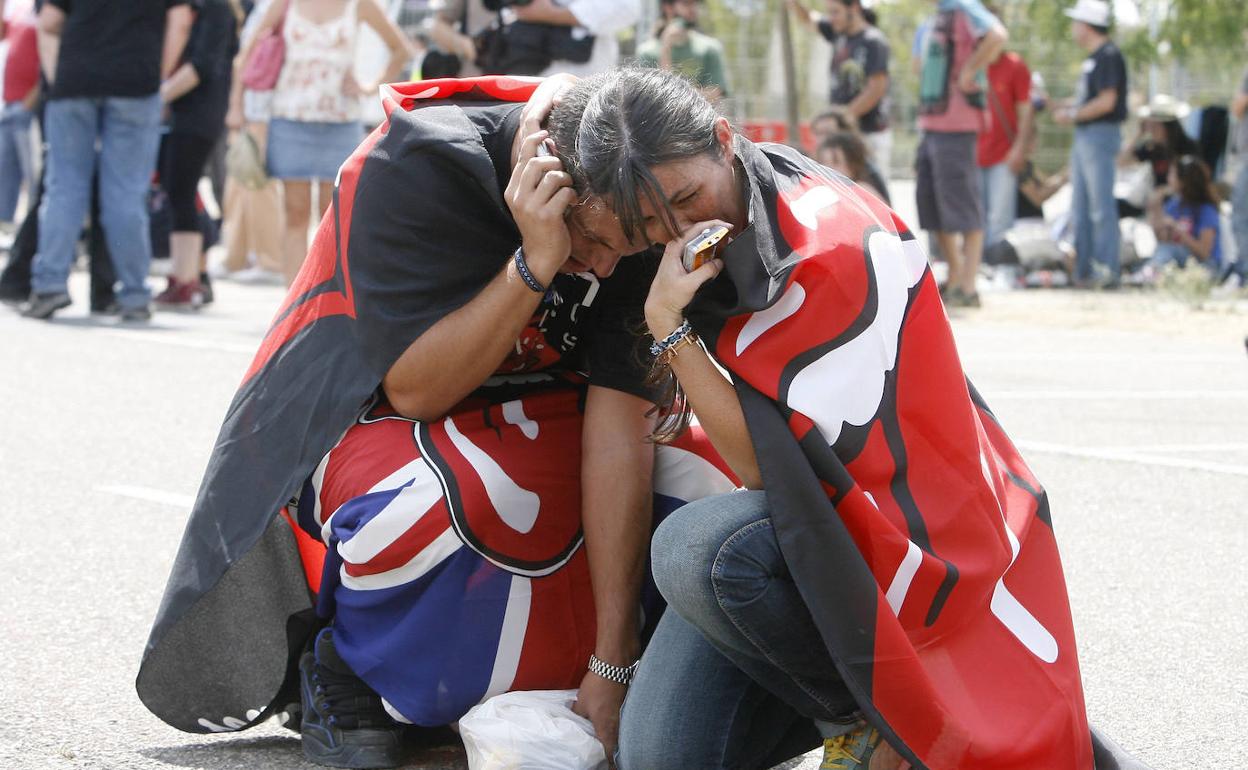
{"type": "Point", "coordinates": [104, 62]}
{"type": "Point", "coordinates": [455, 26]}
{"type": "Point", "coordinates": [680, 46]}
{"type": "Point", "coordinates": [21, 92]}
{"type": "Point", "coordinates": [1239, 194]}
{"type": "Point", "coordinates": [252, 227]}
{"type": "Point", "coordinates": [860, 61]}
{"type": "Point", "coordinates": [1004, 147]}
{"type": "Point", "coordinates": [198, 94]}
{"type": "Point", "coordinates": [315, 121]}
{"type": "Point", "coordinates": [1097, 113]}
{"type": "Point", "coordinates": [593, 25]}
{"type": "Point", "coordinates": [963, 39]}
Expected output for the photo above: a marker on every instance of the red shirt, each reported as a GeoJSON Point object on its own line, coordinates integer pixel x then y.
{"type": "Point", "coordinates": [1010, 83]}
{"type": "Point", "coordinates": [21, 66]}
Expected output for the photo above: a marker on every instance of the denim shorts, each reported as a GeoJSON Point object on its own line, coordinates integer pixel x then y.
{"type": "Point", "coordinates": [303, 150]}
{"type": "Point", "coordinates": [948, 188]}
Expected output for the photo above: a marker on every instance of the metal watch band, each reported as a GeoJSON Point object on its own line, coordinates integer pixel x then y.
{"type": "Point", "coordinates": [618, 674]}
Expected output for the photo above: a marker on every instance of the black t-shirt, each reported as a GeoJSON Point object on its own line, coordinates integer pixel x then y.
{"type": "Point", "coordinates": [110, 48]}
{"type": "Point", "coordinates": [1106, 68]}
{"type": "Point", "coordinates": [583, 324]}
{"type": "Point", "coordinates": [855, 59]}
{"type": "Point", "coordinates": [211, 49]}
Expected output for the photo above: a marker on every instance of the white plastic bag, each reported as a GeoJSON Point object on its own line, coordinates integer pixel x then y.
{"type": "Point", "coordinates": [533, 730]}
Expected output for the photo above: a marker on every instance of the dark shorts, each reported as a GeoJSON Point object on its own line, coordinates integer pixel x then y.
{"type": "Point", "coordinates": [948, 190]}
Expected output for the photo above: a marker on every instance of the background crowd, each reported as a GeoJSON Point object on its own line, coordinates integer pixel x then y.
{"type": "Point", "coordinates": [150, 132]}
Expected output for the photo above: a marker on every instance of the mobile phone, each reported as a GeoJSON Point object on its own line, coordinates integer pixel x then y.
{"type": "Point", "coordinates": [543, 149]}
{"type": "Point", "coordinates": [703, 247]}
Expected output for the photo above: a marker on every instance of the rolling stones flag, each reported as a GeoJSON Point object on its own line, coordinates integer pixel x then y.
{"type": "Point", "coordinates": [237, 607]}
{"type": "Point", "coordinates": [917, 535]}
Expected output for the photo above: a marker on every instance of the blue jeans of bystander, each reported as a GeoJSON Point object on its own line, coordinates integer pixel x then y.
{"type": "Point", "coordinates": [17, 158]}
{"type": "Point", "coordinates": [736, 670]}
{"type": "Point", "coordinates": [128, 131]}
{"type": "Point", "coordinates": [1000, 187]}
{"type": "Point", "coordinates": [1095, 211]}
{"type": "Point", "coordinates": [1239, 217]}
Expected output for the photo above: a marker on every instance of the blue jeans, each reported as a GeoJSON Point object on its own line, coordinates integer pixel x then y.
{"type": "Point", "coordinates": [17, 162]}
{"type": "Point", "coordinates": [1239, 217]}
{"type": "Point", "coordinates": [128, 131]}
{"type": "Point", "coordinates": [1178, 254]}
{"type": "Point", "coordinates": [1092, 164]}
{"type": "Point", "coordinates": [736, 670]}
{"type": "Point", "coordinates": [1000, 187]}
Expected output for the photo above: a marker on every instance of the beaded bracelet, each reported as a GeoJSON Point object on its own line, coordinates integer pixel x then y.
{"type": "Point", "coordinates": [658, 346]}
{"type": "Point", "coordinates": [522, 267]}
{"type": "Point", "coordinates": [664, 349]}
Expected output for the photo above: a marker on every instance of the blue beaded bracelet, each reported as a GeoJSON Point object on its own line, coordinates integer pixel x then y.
{"type": "Point", "coordinates": [658, 346]}
{"type": "Point", "coordinates": [526, 275]}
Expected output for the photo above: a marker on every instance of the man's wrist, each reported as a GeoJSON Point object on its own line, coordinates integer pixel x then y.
{"type": "Point", "coordinates": [542, 263]}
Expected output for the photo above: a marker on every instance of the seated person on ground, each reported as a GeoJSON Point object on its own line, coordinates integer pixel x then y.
{"type": "Point", "coordinates": [1187, 224]}
{"type": "Point", "coordinates": [846, 152]}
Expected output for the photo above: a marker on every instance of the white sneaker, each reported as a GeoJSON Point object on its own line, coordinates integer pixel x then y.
{"type": "Point", "coordinates": [256, 276]}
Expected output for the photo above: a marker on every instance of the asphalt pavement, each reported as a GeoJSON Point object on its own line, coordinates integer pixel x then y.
{"type": "Point", "coordinates": [1131, 409]}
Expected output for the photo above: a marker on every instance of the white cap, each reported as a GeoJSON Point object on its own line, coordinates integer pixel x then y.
{"type": "Point", "coordinates": [1094, 12]}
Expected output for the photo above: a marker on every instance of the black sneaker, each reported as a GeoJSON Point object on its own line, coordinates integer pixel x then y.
{"type": "Point", "coordinates": [42, 306]}
{"type": "Point", "coordinates": [13, 297]}
{"type": "Point", "coordinates": [344, 723]}
{"type": "Point", "coordinates": [140, 313]}
{"type": "Point", "coordinates": [205, 286]}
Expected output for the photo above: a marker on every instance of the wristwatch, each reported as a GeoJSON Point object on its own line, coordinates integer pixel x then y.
{"type": "Point", "coordinates": [618, 674]}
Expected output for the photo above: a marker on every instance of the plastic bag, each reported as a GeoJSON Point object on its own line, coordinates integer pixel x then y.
{"type": "Point", "coordinates": [533, 730]}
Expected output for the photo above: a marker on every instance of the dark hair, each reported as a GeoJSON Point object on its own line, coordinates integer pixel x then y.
{"type": "Point", "coordinates": [1098, 29]}
{"type": "Point", "coordinates": [627, 121]}
{"type": "Point", "coordinates": [1195, 181]}
{"type": "Point", "coordinates": [632, 120]}
{"type": "Point", "coordinates": [845, 121]}
{"type": "Point", "coordinates": [853, 148]}
{"type": "Point", "coordinates": [1175, 135]}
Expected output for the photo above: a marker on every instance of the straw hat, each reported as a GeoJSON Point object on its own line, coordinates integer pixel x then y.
{"type": "Point", "coordinates": [1164, 107]}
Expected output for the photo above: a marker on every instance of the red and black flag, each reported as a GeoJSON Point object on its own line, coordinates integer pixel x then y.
{"type": "Point", "coordinates": [916, 533]}
{"type": "Point", "coordinates": [237, 607]}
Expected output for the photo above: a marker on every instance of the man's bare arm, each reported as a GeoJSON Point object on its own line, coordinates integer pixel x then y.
{"type": "Point", "coordinates": [617, 465]}
{"type": "Point", "coordinates": [875, 90]}
{"type": "Point", "coordinates": [51, 23]}
{"type": "Point", "coordinates": [178, 21]}
{"type": "Point", "coordinates": [986, 51]}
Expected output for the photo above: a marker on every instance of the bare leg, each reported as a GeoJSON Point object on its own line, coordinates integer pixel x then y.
{"type": "Point", "coordinates": [298, 204]}
{"type": "Point", "coordinates": [185, 251]}
{"type": "Point", "coordinates": [973, 252]}
{"type": "Point", "coordinates": [324, 197]}
{"type": "Point", "coordinates": [952, 251]}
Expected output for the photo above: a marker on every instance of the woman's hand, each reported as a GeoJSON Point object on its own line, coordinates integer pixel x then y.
{"type": "Point", "coordinates": [539, 195]}
{"type": "Point", "coordinates": [599, 701]}
{"type": "Point", "coordinates": [673, 286]}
